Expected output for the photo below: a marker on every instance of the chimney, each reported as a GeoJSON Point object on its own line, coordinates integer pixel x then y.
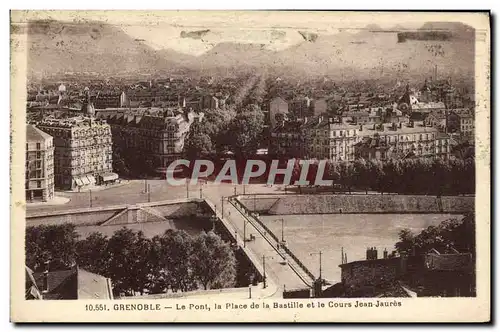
{"type": "Point", "coordinates": [330, 120]}
{"type": "Point", "coordinates": [368, 252]}
{"type": "Point", "coordinates": [375, 253]}
{"type": "Point", "coordinates": [385, 253]}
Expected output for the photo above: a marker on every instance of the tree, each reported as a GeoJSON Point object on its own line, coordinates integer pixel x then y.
{"type": "Point", "coordinates": [54, 243]}
{"type": "Point", "coordinates": [455, 233]}
{"type": "Point", "coordinates": [214, 264]}
{"type": "Point", "coordinates": [177, 252]}
{"type": "Point", "coordinates": [245, 131]}
{"type": "Point", "coordinates": [128, 269]}
{"type": "Point", "coordinates": [92, 253]}
{"type": "Point", "coordinates": [360, 174]}
{"type": "Point", "coordinates": [197, 143]}
{"type": "Point", "coordinates": [406, 242]}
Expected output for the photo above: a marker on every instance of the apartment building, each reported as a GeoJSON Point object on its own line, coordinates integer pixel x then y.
{"type": "Point", "coordinates": [157, 136]}
{"type": "Point", "coordinates": [413, 139]}
{"type": "Point", "coordinates": [39, 178]}
{"type": "Point", "coordinates": [466, 120]}
{"type": "Point", "coordinates": [287, 140]}
{"type": "Point", "coordinates": [329, 138]}
{"type": "Point", "coordinates": [82, 155]}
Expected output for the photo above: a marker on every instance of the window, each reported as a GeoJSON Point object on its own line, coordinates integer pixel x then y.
{"type": "Point", "coordinates": [39, 184]}
{"type": "Point", "coordinates": [38, 155]}
{"type": "Point", "coordinates": [38, 146]}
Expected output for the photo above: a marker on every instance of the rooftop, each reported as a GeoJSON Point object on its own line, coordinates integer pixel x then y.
{"type": "Point", "coordinates": [35, 134]}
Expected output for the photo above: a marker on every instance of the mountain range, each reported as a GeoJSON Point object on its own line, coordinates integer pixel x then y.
{"type": "Point", "coordinates": [56, 47]}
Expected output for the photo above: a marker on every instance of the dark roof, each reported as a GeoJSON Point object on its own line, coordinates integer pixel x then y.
{"type": "Point", "coordinates": [61, 284]}
{"type": "Point", "coordinates": [35, 134]}
{"type": "Point", "coordinates": [74, 283]}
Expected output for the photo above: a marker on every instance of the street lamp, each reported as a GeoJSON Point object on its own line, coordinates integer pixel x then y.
{"type": "Point", "coordinates": [318, 253]}
{"type": "Point", "coordinates": [282, 229]}
{"type": "Point", "coordinates": [244, 232]}
{"type": "Point", "coordinates": [222, 205]}
{"type": "Point", "coordinates": [264, 268]}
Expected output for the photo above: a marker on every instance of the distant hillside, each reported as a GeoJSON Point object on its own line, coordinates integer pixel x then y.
{"type": "Point", "coordinates": [93, 47]}
{"type": "Point", "coordinates": [97, 47]}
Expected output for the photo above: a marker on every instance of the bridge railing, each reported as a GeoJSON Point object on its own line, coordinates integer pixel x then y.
{"type": "Point", "coordinates": [275, 238]}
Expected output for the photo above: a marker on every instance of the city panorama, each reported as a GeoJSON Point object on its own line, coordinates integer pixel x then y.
{"type": "Point", "coordinates": [249, 160]}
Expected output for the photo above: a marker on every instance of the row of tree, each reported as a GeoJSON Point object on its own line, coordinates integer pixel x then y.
{"type": "Point", "coordinates": [226, 130]}
{"type": "Point", "coordinates": [173, 261]}
{"type": "Point", "coordinates": [406, 176]}
{"type": "Point", "coordinates": [416, 176]}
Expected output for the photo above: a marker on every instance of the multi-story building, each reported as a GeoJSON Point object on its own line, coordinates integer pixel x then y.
{"type": "Point", "coordinates": [103, 100]}
{"type": "Point", "coordinates": [39, 179]}
{"type": "Point", "coordinates": [287, 140]}
{"type": "Point", "coordinates": [330, 139]}
{"type": "Point", "coordinates": [401, 141]}
{"type": "Point", "coordinates": [320, 138]}
{"type": "Point", "coordinates": [465, 119]}
{"type": "Point", "coordinates": [82, 155]}
{"type": "Point", "coordinates": [157, 137]}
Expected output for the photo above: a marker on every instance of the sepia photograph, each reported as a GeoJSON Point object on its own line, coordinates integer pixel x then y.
{"type": "Point", "coordinates": [211, 163]}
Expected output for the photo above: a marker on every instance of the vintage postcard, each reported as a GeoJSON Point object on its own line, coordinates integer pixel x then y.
{"type": "Point", "coordinates": [252, 166]}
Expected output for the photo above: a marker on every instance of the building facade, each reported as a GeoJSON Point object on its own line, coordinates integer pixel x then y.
{"type": "Point", "coordinates": [330, 139]}
{"type": "Point", "coordinates": [287, 140]}
{"type": "Point", "coordinates": [39, 179]}
{"type": "Point", "coordinates": [402, 141]}
{"type": "Point", "coordinates": [158, 138]}
{"type": "Point", "coordinates": [83, 155]}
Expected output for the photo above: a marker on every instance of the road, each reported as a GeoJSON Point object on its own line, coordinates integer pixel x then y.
{"type": "Point", "coordinates": [280, 272]}
{"type": "Point", "coordinates": [133, 192]}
